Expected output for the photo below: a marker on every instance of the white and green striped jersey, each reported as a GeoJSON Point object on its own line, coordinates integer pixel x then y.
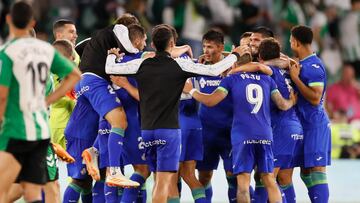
{"type": "Point", "coordinates": [25, 65]}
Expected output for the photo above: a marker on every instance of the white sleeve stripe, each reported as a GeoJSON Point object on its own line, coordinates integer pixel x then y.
{"type": "Point", "coordinates": [216, 69]}
{"type": "Point", "coordinates": [131, 67]}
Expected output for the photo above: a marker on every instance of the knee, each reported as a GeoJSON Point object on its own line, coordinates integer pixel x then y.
{"type": "Point", "coordinates": [117, 118]}
{"type": "Point", "coordinates": [143, 170]}
{"type": "Point", "coordinates": [52, 189]}
{"type": "Point", "coordinates": [205, 177]}
{"type": "Point", "coordinates": [187, 175]}
{"type": "Point", "coordinates": [284, 179]}
{"type": "Point", "coordinates": [83, 184]}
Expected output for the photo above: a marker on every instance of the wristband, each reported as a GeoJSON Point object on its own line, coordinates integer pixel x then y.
{"type": "Point", "coordinates": [192, 91]}
{"type": "Point", "coordinates": [237, 55]}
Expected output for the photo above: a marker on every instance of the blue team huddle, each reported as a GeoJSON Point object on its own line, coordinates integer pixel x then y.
{"type": "Point", "coordinates": [165, 113]}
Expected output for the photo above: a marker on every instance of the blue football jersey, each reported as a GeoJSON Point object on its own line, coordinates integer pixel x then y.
{"type": "Point", "coordinates": [220, 115]}
{"type": "Point", "coordinates": [188, 110]}
{"type": "Point", "coordinates": [312, 73]}
{"type": "Point", "coordinates": [283, 82]}
{"type": "Point", "coordinates": [131, 105]}
{"type": "Point", "coordinates": [251, 96]}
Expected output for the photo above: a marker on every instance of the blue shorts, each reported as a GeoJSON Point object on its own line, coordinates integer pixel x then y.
{"type": "Point", "coordinates": [317, 146]}
{"type": "Point", "coordinates": [217, 143]}
{"type": "Point", "coordinates": [191, 145]}
{"type": "Point", "coordinates": [103, 136]}
{"type": "Point", "coordinates": [99, 92]}
{"type": "Point", "coordinates": [287, 146]}
{"type": "Point", "coordinates": [162, 149]}
{"type": "Point", "coordinates": [246, 156]}
{"type": "Point", "coordinates": [75, 147]}
{"type": "Point", "coordinates": [133, 150]}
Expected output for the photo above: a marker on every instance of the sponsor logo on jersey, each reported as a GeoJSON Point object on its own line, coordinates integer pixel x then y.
{"type": "Point", "coordinates": [264, 142]}
{"type": "Point", "coordinates": [211, 83]}
{"type": "Point", "coordinates": [297, 137]}
{"type": "Point", "coordinates": [104, 131]}
{"type": "Point", "coordinates": [155, 142]}
{"type": "Point", "coordinates": [82, 91]}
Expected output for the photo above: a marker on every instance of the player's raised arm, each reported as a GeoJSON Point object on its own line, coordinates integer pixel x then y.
{"type": "Point", "coordinates": [253, 67]}
{"type": "Point", "coordinates": [216, 69]}
{"type": "Point", "coordinates": [128, 68]}
{"type": "Point", "coordinates": [207, 99]}
{"type": "Point", "coordinates": [281, 102]}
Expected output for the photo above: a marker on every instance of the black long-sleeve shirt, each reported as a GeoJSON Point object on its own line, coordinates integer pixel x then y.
{"type": "Point", "coordinates": [160, 82]}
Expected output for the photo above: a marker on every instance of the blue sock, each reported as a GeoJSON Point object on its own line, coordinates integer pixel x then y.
{"type": "Point", "coordinates": [86, 196]}
{"type": "Point", "coordinates": [142, 195]}
{"type": "Point", "coordinates": [260, 193]}
{"type": "Point", "coordinates": [232, 183]}
{"type": "Point", "coordinates": [72, 193]}
{"type": "Point", "coordinates": [130, 194]}
{"type": "Point", "coordinates": [98, 192]}
{"type": "Point", "coordinates": [319, 190]}
{"type": "Point", "coordinates": [306, 178]}
{"type": "Point", "coordinates": [43, 196]}
{"type": "Point", "coordinates": [251, 191]}
{"type": "Point", "coordinates": [96, 143]}
{"type": "Point", "coordinates": [208, 192]}
{"type": "Point", "coordinates": [111, 194]}
{"type": "Point", "coordinates": [283, 196]}
{"type": "Point", "coordinates": [289, 193]}
{"type": "Point", "coordinates": [120, 193]}
{"type": "Point", "coordinates": [179, 186]}
{"type": "Point", "coordinates": [115, 145]}
{"type": "Point", "coordinates": [199, 195]}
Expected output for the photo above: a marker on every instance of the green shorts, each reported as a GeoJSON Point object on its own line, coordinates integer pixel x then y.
{"type": "Point", "coordinates": [51, 163]}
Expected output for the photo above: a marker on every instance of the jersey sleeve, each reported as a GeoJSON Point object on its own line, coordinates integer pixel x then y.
{"type": "Point", "coordinates": [225, 85]}
{"type": "Point", "coordinates": [61, 66]}
{"type": "Point", "coordinates": [316, 75]}
{"type": "Point", "coordinates": [126, 68]}
{"type": "Point", "coordinates": [5, 70]}
{"type": "Point", "coordinates": [216, 69]}
{"type": "Point", "coordinates": [273, 86]}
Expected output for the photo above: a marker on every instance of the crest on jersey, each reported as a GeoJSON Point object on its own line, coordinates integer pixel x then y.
{"type": "Point", "coordinates": [315, 65]}
{"type": "Point", "coordinates": [202, 82]}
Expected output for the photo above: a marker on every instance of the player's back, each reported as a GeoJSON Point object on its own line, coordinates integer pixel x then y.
{"type": "Point", "coordinates": [94, 54]}
{"type": "Point", "coordinates": [160, 81]}
{"type": "Point", "coordinates": [251, 96]}
{"type": "Point", "coordinates": [29, 60]}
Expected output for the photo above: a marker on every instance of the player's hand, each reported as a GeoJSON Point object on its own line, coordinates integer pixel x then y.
{"type": "Point", "coordinates": [188, 86]}
{"type": "Point", "coordinates": [201, 59]}
{"type": "Point", "coordinates": [294, 69]}
{"type": "Point", "coordinates": [244, 49]}
{"type": "Point", "coordinates": [116, 52]}
{"type": "Point", "coordinates": [293, 97]}
{"type": "Point", "coordinates": [119, 81]}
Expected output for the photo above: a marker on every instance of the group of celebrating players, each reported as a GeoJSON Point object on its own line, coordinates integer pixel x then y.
{"type": "Point", "coordinates": [162, 112]}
